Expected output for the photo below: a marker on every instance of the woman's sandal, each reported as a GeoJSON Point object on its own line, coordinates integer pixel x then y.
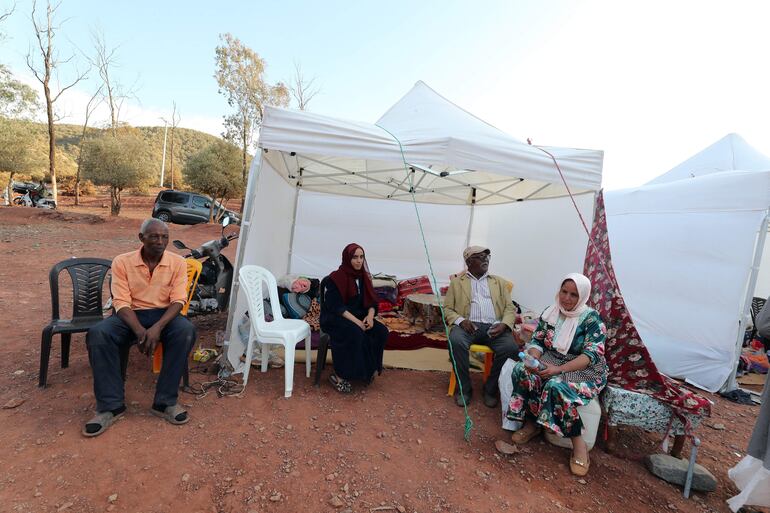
{"type": "Point", "coordinates": [171, 414]}
{"type": "Point", "coordinates": [529, 431]}
{"type": "Point", "coordinates": [103, 420]}
{"type": "Point", "coordinates": [340, 385]}
{"type": "Point", "coordinates": [577, 467]}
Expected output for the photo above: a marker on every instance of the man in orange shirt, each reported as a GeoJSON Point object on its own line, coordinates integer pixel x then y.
{"type": "Point", "coordinates": [149, 289]}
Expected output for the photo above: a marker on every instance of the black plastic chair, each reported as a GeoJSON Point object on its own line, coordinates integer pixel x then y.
{"type": "Point", "coordinates": [757, 304]}
{"type": "Point", "coordinates": [323, 344]}
{"type": "Point", "coordinates": [87, 276]}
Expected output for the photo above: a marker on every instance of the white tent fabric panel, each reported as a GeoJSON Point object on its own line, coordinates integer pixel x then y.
{"type": "Point", "coordinates": [534, 244]}
{"type": "Point", "coordinates": [387, 230]}
{"type": "Point", "coordinates": [683, 254]}
{"type": "Point", "coordinates": [264, 241]}
{"type": "Point", "coordinates": [730, 153]}
{"type": "Point", "coordinates": [270, 226]}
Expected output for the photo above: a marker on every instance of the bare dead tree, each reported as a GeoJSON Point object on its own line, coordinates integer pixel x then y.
{"type": "Point", "coordinates": [6, 14]}
{"type": "Point", "coordinates": [175, 117]}
{"type": "Point", "coordinates": [302, 89]}
{"type": "Point", "coordinates": [113, 92]}
{"type": "Point", "coordinates": [90, 107]}
{"type": "Point", "coordinates": [45, 31]}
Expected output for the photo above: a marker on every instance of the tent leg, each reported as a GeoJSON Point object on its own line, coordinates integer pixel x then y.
{"type": "Point", "coordinates": [731, 383]}
{"type": "Point", "coordinates": [470, 220]}
{"type": "Point", "coordinates": [243, 239]}
{"type": "Point", "coordinates": [293, 227]}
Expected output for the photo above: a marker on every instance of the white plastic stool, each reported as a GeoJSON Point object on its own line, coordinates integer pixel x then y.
{"type": "Point", "coordinates": [590, 414]}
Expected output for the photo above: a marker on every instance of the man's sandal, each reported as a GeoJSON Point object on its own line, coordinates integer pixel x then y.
{"type": "Point", "coordinates": [103, 421]}
{"type": "Point", "coordinates": [577, 467]}
{"type": "Point", "coordinates": [529, 431]}
{"type": "Point", "coordinates": [342, 386]}
{"type": "Point", "coordinates": [172, 413]}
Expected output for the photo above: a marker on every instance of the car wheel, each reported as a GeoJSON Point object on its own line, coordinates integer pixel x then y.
{"type": "Point", "coordinates": [164, 216]}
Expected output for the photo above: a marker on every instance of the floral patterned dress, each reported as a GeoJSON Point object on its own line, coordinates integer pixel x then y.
{"type": "Point", "coordinates": [554, 402]}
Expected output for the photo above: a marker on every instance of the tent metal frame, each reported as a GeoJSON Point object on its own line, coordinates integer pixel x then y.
{"type": "Point", "coordinates": [451, 187]}
{"type": "Point", "coordinates": [759, 247]}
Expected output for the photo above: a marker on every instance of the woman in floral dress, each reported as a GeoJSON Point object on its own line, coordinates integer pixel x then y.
{"type": "Point", "coordinates": [569, 342]}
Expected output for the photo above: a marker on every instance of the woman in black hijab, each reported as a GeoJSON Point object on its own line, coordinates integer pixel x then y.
{"type": "Point", "coordinates": [347, 315]}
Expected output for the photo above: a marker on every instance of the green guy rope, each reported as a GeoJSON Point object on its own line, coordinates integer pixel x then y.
{"type": "Point", "coordinates": [410, 176]}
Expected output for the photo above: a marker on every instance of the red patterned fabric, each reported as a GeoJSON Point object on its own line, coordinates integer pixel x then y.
{"type": "Point", "coordinates": [630, 365]}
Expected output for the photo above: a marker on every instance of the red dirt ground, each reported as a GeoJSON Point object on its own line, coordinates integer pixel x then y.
{"type": "Point", "coordinates": [396, 446]}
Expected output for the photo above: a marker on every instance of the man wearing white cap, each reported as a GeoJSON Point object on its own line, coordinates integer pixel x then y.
{"type": "Point", "coordinates": [478, 306]}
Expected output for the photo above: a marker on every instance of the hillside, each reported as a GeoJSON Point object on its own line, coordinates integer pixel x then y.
{"type": "Point", "coordinates": [68, 137]}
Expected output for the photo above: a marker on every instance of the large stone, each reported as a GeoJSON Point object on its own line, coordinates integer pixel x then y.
{"type": "Point", "coordinates": [674, 470]}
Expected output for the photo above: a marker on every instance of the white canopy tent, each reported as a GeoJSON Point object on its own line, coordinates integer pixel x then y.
{"type": "Point", "coordinates": [319, 183]}
{"type": "Point", "coordinates": [686, 252]}
{"type": "Point", "coordinates": [730, 153]}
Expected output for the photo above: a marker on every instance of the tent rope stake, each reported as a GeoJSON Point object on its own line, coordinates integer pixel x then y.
{"type": "Point", "coordinates": [410, 177]}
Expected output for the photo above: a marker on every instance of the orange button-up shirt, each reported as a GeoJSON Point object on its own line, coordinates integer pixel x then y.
{"type": "Point", "coordinates": [134, 287]}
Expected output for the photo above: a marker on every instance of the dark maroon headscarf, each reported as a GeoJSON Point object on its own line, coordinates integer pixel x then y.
{"type": "Point", "coordinates": [345, 278]}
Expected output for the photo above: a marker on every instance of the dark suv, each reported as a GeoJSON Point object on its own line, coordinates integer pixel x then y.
{"type": "Point", "coordinates": [186, 208]}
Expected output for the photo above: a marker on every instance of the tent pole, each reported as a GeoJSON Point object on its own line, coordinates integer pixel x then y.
{"type": "Point", "coordinates": [294, 220]}
{"type": "Point", "coordinates": [731, 383]}
{"type": "Point", "coordinates": [243, 238]}
{"type": "Point", "coordinates": [470, 220]}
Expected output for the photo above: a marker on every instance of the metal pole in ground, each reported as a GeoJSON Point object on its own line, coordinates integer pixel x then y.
{"type": "Point", "coordinates": [691, 466]}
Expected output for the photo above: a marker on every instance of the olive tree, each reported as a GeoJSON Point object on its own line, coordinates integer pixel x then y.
{"type": "Point", "coordinates": [216, 171]}
{"type": "Point", "coordinates": [18, 152]}
{"type": "Point", "coordinates": [120, 162]}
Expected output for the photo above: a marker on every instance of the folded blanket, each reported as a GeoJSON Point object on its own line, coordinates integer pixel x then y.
{"type": "Point", "coordinates": [294, 283]}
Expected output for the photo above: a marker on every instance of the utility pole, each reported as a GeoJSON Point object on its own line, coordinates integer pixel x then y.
{"type": "Point", "coordinates": [163, 164]}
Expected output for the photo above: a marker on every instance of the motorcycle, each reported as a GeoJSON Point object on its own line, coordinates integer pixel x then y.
{"type": "Point", "coordinates": [212, 294]}
{"type": "Point", "coordinates": [32, 195]}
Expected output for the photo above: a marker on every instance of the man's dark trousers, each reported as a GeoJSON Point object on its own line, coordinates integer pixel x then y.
{"type": "Point", "coordinates": [503, 346]}
{"type": "Point", "coordinates": [105, 340]}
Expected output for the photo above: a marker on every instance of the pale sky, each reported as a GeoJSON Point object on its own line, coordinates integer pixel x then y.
{"type": "Point", "coordinates": [650, 83]}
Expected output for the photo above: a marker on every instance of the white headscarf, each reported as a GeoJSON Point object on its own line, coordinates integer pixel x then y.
{"type": "Point", "coordinates": [566, 332]}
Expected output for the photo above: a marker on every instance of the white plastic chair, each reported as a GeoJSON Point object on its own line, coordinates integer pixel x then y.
{"type": "Point", "coordinates": [287, 332]}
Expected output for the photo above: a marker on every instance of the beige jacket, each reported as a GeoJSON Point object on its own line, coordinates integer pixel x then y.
{"type": "Point", "coordinates": [458, 299]}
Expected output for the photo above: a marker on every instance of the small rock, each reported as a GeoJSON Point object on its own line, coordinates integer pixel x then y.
{"type": "Point", "coordinates": [674, 470]}
{"type": "Point", "coordinates": [275, 498]}
{"type": "Point", "coordinates": [38, 494]}
{"type": "Point", "coordinates": [111, 507]}
{"type": "Point", "coordinates": [65, 506]}
{"type": "Point", "coordinates": [14, 403]}
{"type": "Point", "coordinates": [330, 477]}
{"type": "Point", "coordinates": [19, 373]}
{"type": "Point", "coordinates": [112, 498]}
{"type": "Point", "coordinates": [401, 509]}
{"type": "Point", "coordinates": [506, 448]}
{"type": "Point", "coordinates": [718, 427]}
{"type": "Point", "coordinates": [336, 502]}
{"type": "Point", "coordinates": [582, 481]}
{"type": "Point", "coordinates": [185, 478]}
